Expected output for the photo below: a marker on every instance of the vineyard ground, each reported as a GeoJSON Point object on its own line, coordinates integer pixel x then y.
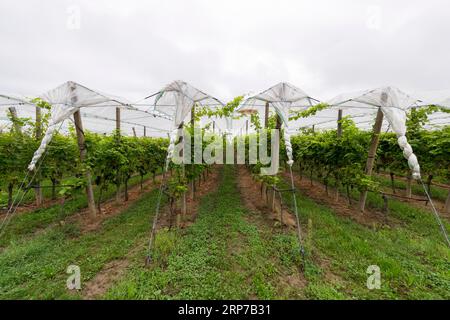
{"type": "Point", "coordinates": [36, 268]}
{"type": "Point", "coordinates": [235, 250]}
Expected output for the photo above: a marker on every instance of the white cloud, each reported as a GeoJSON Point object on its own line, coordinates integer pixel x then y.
{"type": "Point", "coordinates": [132, 48]}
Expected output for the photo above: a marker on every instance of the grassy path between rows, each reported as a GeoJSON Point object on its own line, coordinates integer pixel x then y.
{"type": "Point", "coordinates": [230, 252]}
{"type": "Point", "coordinates": [413, 258]}
{"type": "Point", "coordinates": [36, 269]}
{"type": "Point", "coordinates": [233, 253]}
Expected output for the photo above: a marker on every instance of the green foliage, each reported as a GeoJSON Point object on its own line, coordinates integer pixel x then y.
{"type": "Point", "coordinates": [255, 121]}
{"type": "Point", "coordinates": [115, 159]}
{"type": "Point", "coordinates": [225, 111]}
{"type": "Point", "coordinates": [342, 159]}
{"type": "Point", "coordinates": [45, 114]}
{"type": "Point", "coordinates": [15, 153]}
{"type": "Point", "coordinates": [431, 147]}
{"type": "Point", "coordinates": [418, 117]}
{"type": "Point", "coordinates": [177, 184]}
{"type": "Point", "coordinates": [112, 159]}
{"type": "Point", "coordinates": [311, 111]}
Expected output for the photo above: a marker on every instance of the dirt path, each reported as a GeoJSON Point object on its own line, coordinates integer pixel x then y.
{"type": "Point", "coordinates": [30, 207]}
{"type": "Point", "coordinates": [264, 217]}
{"type": "Point", "coordinates": [250, 192]}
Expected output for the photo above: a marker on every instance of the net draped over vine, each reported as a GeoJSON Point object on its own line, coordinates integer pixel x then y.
{"type": "Point", "coordinates": [393, 103]}
{"type": "Point", "coordinates": [164, 112]}
{"type": "Point", "coordinates": [363, 112]}
{"type": "Point", "coordinates": [176, 100]}
{"type": "Point", "coordinates": [283, 97]}
{"type": "Point", "coordinates": [97, 107]}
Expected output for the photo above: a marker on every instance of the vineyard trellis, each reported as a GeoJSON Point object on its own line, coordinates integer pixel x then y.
{"type": "Point", "coordinates": [81, 159]}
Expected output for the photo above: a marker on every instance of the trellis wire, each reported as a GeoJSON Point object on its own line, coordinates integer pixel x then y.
{"type": "Point", "coordinates": [436, 214]}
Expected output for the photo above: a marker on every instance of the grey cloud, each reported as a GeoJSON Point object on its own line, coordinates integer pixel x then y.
{"type": "Point", "coordinates": [132, 48]}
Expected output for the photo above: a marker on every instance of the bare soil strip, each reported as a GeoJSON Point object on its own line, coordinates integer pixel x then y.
{"type": "Point", "coordinates": [110, 273]}
{"type": "Point", "coordinates": [251, 195]}
{"type": "Point", "coordinates": [265, 217]}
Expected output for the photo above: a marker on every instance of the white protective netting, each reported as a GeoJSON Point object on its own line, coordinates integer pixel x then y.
{"type": "Point", "coordinates": [364, 117]}
{"type": "Point", "coordinates": [363, 106]}
{"type": "Point", "coordinates": [283, 97]}
{"type": "Point", "coordinates": [20, 106]}
{"type": "Point", "coordinates": [98, 113]}
{"type": "Point", "coordinates": [438, 119]}
{"type": "Point", "coordinates": [163, 113]}
{"type": "Point", "coordinates": [176, 101]}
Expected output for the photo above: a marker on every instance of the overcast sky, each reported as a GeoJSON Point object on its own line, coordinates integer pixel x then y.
{"type": "Point", "coordinates": [226, 48]}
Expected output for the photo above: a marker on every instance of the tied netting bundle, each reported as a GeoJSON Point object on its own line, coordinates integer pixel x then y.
{"type": "Point", "coordinates": [283, 97]}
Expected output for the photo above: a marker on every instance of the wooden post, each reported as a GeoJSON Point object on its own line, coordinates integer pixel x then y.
{"type": "Point", "coordinates": [83, 154]}
{"type": "Point", "coordinates": [339, 124]}
{"type": "Point", "coordinates": [118, 119]}
{"type": "Point", "coordinates": [266, 115]}
{"type": "Point", "coordinates": [145, 131]}
{"type": "Point", "coordinates": [15, 120]}
{"type": "Point", "coordinates": [38, 136]}
{"type": "Point", "coordinates": [371, 155]}
{"type": "Point", "coordinates": [339, 136]}
{"type": "Point", "coordinates": [183, 198]}
{"type": "Point", "coordinates": [276, 155]}
{"type": "Point", "coordinates": [409, 185]}
{"type": "Point", "coordinates": [118, 132]}
{"type": "Point", "coordinates": [134, 132]}
{"type": "Point", "coordinates": [278, 123]}
{"type": "Point", "coordinates": [192, 182]}
{"type": "Point", "coordinates": [447, 203]}
{"type": "Point", "coordinates": [246, 127]}
{"type": "Point", "coordinates": [38, 123]}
